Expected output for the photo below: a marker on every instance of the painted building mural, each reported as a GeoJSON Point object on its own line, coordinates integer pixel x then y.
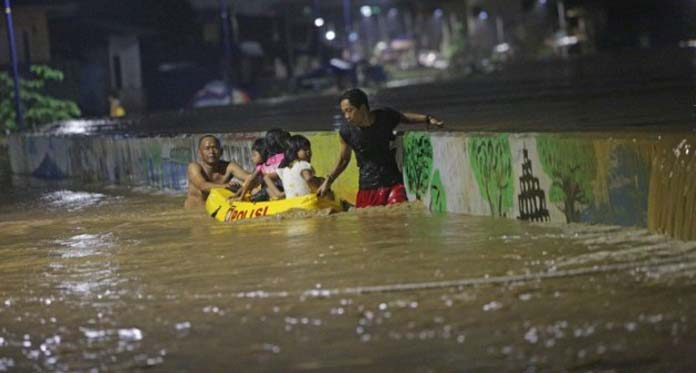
{"type": "Point", "coordinates": [621, 179]}
{"type": "Point", "coordinates": [532, 198]}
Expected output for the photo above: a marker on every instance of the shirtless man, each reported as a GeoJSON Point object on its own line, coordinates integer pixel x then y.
{"type": "Point", "coordinates": [210, 172]}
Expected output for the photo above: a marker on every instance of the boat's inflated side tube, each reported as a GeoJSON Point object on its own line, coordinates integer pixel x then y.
{"type": "Point", "coordinates": [221, 208]}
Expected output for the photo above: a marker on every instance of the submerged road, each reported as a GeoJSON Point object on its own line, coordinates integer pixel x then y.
{"type": "Point", "coordinates": [117, 279]}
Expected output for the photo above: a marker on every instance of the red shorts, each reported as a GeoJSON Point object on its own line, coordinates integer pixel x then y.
{"type": "Point", "coordinates": [381, 196]}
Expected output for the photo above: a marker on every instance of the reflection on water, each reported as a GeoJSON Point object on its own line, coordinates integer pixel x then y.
{"type": "Point", "coordinates": [115, 279]}
{"type": "Point", "coordinates": [84, 245]}
{"type": "Point", "coordinates": [70, 200]}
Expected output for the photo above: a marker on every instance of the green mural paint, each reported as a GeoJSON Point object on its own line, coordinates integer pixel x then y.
{"type": "Point", "coordinates": [152, 159]}
{"type": "Point", "coordinates": [153, 153]}
{"type": "Point", "coordinates": [181, 154]}
{"type": "Point", "coordinates": [491, 162]}
{"type": "Point", "coordinates": [438, 196]}
{"type": "Point", "coordinates": [628, 178]}
{"type": "Point", "coordinates": [418, 162]}
{"type": "Point", "coordinates": [572, 165]}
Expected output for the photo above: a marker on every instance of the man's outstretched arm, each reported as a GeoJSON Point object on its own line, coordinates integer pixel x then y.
{"type": "Point", "coordinates": [250, 182]}
{"type": "Point", "coordinates": [341, 164]}
{"type": "Point", "coordinates": [235, 170]}
{"type": "Point", "coordinates": [415, 118]}
{"type": "Point", "coordinates": [195, 177]}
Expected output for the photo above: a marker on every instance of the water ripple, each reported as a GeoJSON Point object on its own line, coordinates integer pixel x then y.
{"type": "Point", "coordinates": [72, 201]}
{"type": "Point", "coordinates": [83, 245]}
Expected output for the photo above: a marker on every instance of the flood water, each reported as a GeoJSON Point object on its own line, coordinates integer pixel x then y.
{"type": "Point", "coordinates": [125, 279]}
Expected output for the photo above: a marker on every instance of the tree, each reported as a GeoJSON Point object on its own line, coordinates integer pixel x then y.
{"type": "Point", "coordinates": [458, 48]}
{"type": "Point", "coordinates": [418, 162]}
{"type": "Point", "coordinates": [572, 165]}
{"type": "Point", "coordinates": [491, 162]}
{"type": "Point", "coordinates": [37, 106]}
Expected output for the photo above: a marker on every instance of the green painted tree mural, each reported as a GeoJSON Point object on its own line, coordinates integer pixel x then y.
{"type": "Point", "coordinates": [438, 196]}
{"type": "Point", "coordinates": [491, 162]}
{"type": "Point", "coordinates": [418, 162]}
{"type": "Point", "coordinates": [572, 165]}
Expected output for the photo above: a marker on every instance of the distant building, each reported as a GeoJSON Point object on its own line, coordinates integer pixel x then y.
{"type": "Point", "coordinates": [98, 57]}
{"type": "Point", "coordinates": [31, 36]}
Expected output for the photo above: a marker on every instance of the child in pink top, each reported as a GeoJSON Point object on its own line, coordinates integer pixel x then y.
{"type": "Point", "coordinates": [266, 153]}
{"type": "Point", "coordinates": [271, 164]}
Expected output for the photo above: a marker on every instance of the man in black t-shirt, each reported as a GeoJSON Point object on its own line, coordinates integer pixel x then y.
{"type": "Point", "coordinates": [369, 134]}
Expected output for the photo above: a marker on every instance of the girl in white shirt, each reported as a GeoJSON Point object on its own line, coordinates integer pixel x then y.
{"type": "Point", "coordinates": [295, 171]}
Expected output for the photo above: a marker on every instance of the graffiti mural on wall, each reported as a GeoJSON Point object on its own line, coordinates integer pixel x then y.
{"type": "Point", "coordinates": [629, 186]}
{"type": "Point", "coordinates": [237, 153]}
{"type": "Point", "coordinates": [491, 163]}
{"type": "Point", "coordinates": [153, 160]}
{"type": "Point", "coordinates": [174, 175]}
{"type": "Point", "coordinates": [181, 154]}
{"type": "Point", "coordinates": [572, 165]}
{"type": "Point", "coordinates": [622, 185]}
{"type": "Point", "coordinates": [174, 167]}
{"type": "Point", "coordinates": [627, 179]}
{"type": "Point", "coordinates": [324, 158]}
{"type": "Point", "coordinates": [532, 199]}
{"type": "Point", "coordinates": [237, 147]}
{"type": "Point", "coordinates": [418, 162]}
{"type": "Point", "coordinates": [48, 169]}
{"type": "Point", "coordinates": [438, 195]}
{"type": "Point", "coordinates": [672, 198]}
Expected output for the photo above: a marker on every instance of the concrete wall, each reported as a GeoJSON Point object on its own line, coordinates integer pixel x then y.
{"type": "Point", "coordinates": [624, 179]}
{"type": "Point", "coordinates": [158, 161]}
{"type": "Point", "coordinates": [646, 180]}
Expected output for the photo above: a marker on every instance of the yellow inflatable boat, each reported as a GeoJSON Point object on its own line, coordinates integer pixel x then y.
{"type": "Point", "coordinates": [221, 208]}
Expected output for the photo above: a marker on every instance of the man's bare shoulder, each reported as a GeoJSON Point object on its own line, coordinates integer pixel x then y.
{"type": "Point", "coordinates": [194, 167]}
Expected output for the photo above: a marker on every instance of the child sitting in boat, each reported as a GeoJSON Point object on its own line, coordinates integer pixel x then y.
{"type": "Point", "coordinates": [295, 170]}
{"type": "Point", "coordinates": [266, 154]}
{"type": "Point", "coordinates": [276, 145]}
{"type": "Point", "coordinates": [254, 182]}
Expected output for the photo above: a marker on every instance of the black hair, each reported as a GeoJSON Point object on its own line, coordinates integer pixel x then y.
{"type": "Point", "coordinates": [295, 144]}
{"type": "Point", "coordinates": [217, 141]}
{"type": "Point", "coordinates": [276, 141]}
{"type": "Point", "coordinates": [355, 97]}
{"type": "Point", "coordinates": [260, 147]}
